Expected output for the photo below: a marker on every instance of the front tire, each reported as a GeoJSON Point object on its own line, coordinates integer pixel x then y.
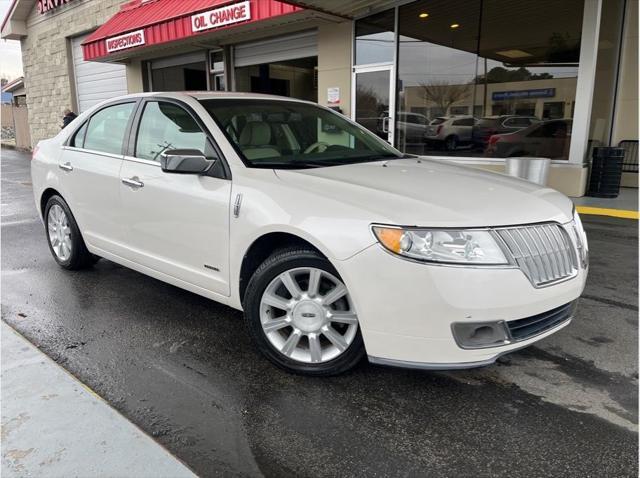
{"type": "Point", "coordinates": [300, 314]}
{"type": "Point", "coordinates": [63, 236]}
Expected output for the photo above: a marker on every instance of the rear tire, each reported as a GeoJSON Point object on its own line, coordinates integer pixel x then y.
{"type": "Point", "coordinates": [300, 334]}
{"type": "Point", "coordinates": [64, 238]}
{"type": "Point", "coordinates": [451, 143]}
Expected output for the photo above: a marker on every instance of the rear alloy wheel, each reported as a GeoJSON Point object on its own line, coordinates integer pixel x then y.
{"type": "Point", "coordinates": [301, 315]}
{"type": "Point", "coordinates": [64, 238]}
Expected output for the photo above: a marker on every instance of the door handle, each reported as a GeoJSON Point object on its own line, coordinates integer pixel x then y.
{"type": "Point", "coordinates": [66, 166]}
{"type": "Point", "coordinates": [133, 182]}
{"type": "Point", "coordinates": [385, 124]}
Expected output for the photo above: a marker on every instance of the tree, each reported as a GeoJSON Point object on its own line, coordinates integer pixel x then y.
{"type": "Point", "coordinates": [499, 74]}
{"type": "Point", "coordinates": [444, 94]}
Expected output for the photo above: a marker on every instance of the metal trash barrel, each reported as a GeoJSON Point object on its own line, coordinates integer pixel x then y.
{"type": "Point", "coordinates": [535, 170]}
{"type": "Point", "coordinates": [606, 172]}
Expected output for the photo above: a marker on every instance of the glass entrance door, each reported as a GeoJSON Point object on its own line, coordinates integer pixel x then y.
{"type": "Point", "coordinates": [374, 100]}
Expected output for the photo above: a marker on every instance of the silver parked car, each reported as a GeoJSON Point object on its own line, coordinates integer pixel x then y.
{"type": "Point", "coordinates": [450, 131]}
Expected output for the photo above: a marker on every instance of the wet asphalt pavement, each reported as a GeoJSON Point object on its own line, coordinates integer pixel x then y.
{"type": "Point", "coordinates": [183, 369]}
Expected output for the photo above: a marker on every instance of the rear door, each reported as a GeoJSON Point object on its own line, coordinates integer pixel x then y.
{"type": "Point", "coordinates": [176, 224]}
{"type": "Point", "coordinates": [90, 175]}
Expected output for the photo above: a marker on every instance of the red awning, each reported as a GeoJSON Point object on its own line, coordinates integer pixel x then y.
{"type": "Point", "coordinates": [141, 23]}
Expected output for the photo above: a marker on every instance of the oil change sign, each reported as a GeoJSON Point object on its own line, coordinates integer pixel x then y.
{"type": "Point", "coordinates": [128, 40]}
{"type": "Point", "coordinates": [238, 12]}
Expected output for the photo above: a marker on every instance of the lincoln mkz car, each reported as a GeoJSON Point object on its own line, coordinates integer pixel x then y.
{"type": "Point", "coordinates": [334, 244]}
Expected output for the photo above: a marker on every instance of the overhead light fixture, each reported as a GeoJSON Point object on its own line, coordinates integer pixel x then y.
{"type": "Point", "coordinates": [453, 26]}
{"type": "Point", "coordinates": [423, 15]}
{"type": "Point", "coordinates": [513, 53]}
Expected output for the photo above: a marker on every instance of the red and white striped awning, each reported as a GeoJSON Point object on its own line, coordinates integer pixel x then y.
{"type": "Point", "coordinates": [143, 23]}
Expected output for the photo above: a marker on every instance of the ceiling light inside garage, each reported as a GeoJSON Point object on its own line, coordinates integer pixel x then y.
{"type": "Point", "coordinates": [513, 53]}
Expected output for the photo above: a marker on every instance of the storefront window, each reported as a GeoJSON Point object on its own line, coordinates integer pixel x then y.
{"type": "Point", "coordinates": [488, 75]}
{"type": "Point", "coordinates": [375, 39]}
{"type": "Point", "coordinates": [293, 78]}
{"type": "Point", "coordinates": [437, 65]}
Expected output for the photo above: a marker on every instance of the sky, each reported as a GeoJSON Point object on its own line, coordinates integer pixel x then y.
{"type": "Point", "coordinates": [10, 56]}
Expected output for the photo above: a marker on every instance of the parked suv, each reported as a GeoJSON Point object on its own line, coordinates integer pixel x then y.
{"type": "Point", "coordinates": [334, 244]}
{"type": "Point", "coordinates": [490, 125]}
{"type": "Point", "coordinates": [450, 131]}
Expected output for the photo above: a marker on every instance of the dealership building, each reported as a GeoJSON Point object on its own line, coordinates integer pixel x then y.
{"type": "Point", "coordinates": [562, 74]}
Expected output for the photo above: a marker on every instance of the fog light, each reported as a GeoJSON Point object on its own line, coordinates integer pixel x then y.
{"type": "Point", "coordinates": [477, 335]}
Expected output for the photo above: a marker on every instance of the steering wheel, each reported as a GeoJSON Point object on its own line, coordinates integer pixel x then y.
{"type": "Point", "coordinates": [321, 146]}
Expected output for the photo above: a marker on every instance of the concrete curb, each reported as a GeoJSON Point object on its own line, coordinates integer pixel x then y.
{"type": "Point", "coordinates": [53, 425]}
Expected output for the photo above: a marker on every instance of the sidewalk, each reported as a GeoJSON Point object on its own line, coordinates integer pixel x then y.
{"type": "Point", "coordinates": [625, 205]}
{"type": "Point", "coordinates": [54, 426]}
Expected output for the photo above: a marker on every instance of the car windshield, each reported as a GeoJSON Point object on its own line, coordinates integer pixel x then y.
{"type": "Point", "coordinates": [285, 134]}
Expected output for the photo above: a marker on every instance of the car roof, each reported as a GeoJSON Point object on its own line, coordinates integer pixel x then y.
{"type": "Point", "coordinates": [208, 95]}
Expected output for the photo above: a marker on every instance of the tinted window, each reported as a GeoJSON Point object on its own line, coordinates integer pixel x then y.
{"type": "Point", "coordinates": [463, 122]}
{"type": "Point", "coordinates": [517, 122]}
{"type": "Point", "coordinates": [487, 122]}
{"type": "Point", "coordinates": [78, 138]}
{"type": "Point", "coordinates": [552, 129]}
{"type": "Point", "coordinates": [107, 127]}
{"type": "Point", "coordinates": [167, 126]}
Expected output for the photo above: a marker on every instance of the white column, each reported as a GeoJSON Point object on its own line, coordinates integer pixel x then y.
{"type": "Point", "coordinates": [586, 80]}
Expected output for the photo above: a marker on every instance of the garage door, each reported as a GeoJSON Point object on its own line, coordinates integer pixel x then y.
{"type": "Point", "coordinates": [286, 47]}
{"type": "Point", "coordinates": [96, 82]}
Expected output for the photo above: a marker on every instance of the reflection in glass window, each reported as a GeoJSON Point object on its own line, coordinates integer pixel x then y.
{"type": "Point", "coordinates": [166, 126]}
{"type": "Point", "coordinates": [107, 127]}
{"type": "Point", "coordinates": [489, 60]}
{"type": "Point", "coordinates": [375, 39]}
{"type": "Point", "coordinates": [437, 65]}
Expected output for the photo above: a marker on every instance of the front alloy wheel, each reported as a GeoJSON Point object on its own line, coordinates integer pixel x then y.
{"type": "Point", "coordinates": [307, 315]}
{"type": "Point", "coordinates": [301, 315]}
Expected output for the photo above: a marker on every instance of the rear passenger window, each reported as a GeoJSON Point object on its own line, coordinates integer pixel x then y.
{"type": "Point", "coordinates": [78, 138]}
{"type": "Point", "coordinates": [107, 127]}
{"type": "Point", "coordinates": [166, 126]}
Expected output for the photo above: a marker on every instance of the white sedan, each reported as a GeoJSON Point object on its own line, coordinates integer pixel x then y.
{"type": "Point", "coordinates": [334, 244]}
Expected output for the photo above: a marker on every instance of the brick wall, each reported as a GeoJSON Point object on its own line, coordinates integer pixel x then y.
{"type": "Point", "coordinates": [47, 62]}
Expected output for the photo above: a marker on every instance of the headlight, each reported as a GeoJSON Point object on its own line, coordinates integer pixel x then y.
{"type": "Point", "coordinates": [452, 246]}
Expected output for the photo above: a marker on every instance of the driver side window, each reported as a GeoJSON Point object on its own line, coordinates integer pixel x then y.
{"type": "Point", "coordinates": [165, 126]}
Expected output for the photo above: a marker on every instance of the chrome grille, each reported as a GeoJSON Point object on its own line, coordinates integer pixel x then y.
{"type": "Point", "coordinates": [544, 252]}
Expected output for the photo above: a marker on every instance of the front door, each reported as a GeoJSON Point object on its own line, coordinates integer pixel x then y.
{"type": "Point", "coordinates": [177, 224]}
{"type": "Point", "coordinates": [374, 100]}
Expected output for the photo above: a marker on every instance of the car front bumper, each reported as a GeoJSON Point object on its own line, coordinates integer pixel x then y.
{"type": "Point", "coordinates": [406, 309]}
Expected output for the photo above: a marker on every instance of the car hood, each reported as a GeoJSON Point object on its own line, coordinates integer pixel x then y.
{"type": "Point", "coordinates": [426, 192]}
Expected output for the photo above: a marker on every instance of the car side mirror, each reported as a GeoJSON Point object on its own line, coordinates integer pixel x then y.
{"type": "Point", "coordinates": [185, 161]}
